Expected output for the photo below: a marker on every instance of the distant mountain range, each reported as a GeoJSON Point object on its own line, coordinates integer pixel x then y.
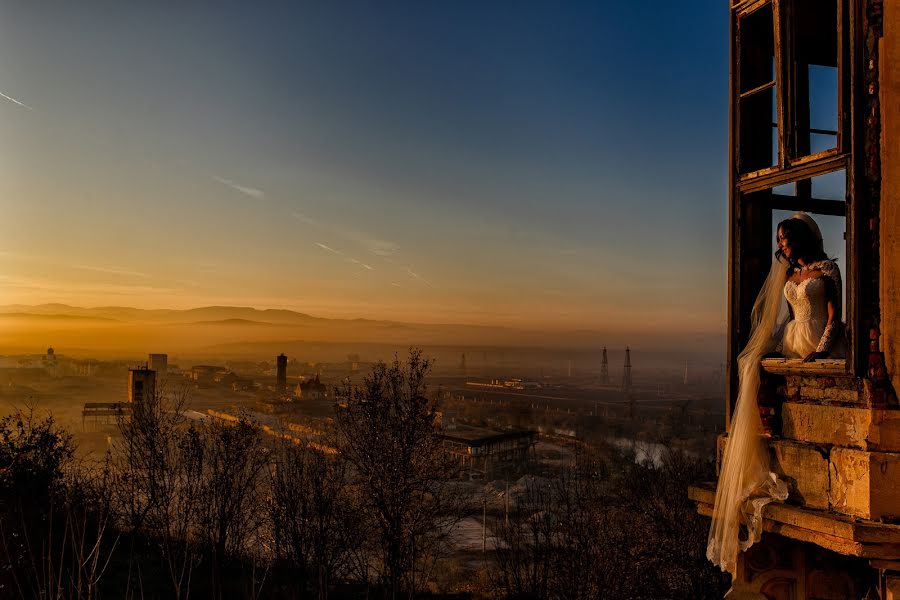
{"type": "Point", "coordinates": [120, 328]}
{"type": "Point", "coordinates": [193, 315]}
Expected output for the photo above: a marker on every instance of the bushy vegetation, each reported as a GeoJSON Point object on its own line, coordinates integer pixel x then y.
{"type": "Point", "coordinates": [603, 529]}
{"type": "Point", "coordinates": [217, 509]}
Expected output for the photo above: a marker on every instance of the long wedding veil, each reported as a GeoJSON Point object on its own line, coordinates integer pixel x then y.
{"type": "Point", "coordinates": [746, 484]}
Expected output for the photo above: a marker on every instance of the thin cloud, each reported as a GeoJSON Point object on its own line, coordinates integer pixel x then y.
{"type": "Point", "coordinates": [362, 264]}
{"type": "Point", "coordinates": [382, 247]}
{"type": "Point", "coordinates": [61, 288]}
{"type": "Point", "coordinates": [418, 277]}
{"type": "Point", "coordinates": [355, 261]}
{"type": "Point", "coordinates": [14, 101]}
{"type": "Point", "coordinates": [247, 191]}
{"type": "Point", "coordinates": [111, 270]}
{"type": "Point", "coordinates": [378, 247]}
{"type": "Point", "coordinates": [305, 219]}
{"type": "Point", "coordinates": [329, 248]}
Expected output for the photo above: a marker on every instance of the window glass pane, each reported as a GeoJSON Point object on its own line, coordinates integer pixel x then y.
{"type": "Point", "coordinates": [758, 124]}
{"type": "Point", "coordinates": [757, 44]}
{"type": "Point", "coordinates": [823, 97]}
{"type": "Point", "coordinates": [758, 136]}
{"type": "Point", "coordinates": [831, 186]}
{"type": "Point", "coordinates": [820, 142]}
{"type": "Point", "coordinates": [816, 74]}
{"type": "Point", "coordinates": [788, 189]}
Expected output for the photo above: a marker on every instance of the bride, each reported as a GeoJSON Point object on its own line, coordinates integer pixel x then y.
{"type": "Point", "coordinates": [809, 327]}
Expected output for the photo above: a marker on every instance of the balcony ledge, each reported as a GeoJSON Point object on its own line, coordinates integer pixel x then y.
{"type": "Point", "coordinates": [796, 366]}
{"type": "Point", "coordinates": [838, 533]}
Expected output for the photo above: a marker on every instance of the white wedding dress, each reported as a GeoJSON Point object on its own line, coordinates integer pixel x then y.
{"type": "Point", "coordinates": [746, 482]}
{"type": "Point", "coordinates": [809, 331]}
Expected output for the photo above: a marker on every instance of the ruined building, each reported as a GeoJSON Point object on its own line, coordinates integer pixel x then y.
{"type": "Point", "coordinates": [815, 126]}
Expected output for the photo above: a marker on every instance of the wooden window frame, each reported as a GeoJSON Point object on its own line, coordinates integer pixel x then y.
{"type": "Point", "coordinates": [751, 199]}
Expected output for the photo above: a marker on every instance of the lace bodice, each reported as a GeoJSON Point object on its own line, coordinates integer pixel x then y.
{"type": "Point", "coordinates": [808, 299]}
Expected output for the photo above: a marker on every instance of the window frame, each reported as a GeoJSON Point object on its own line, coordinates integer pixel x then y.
{"type": "Point", "coordinates": [751, 196]}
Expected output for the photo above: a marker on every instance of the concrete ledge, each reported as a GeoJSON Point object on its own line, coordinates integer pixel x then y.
{"type": "Point", "coordinates": [849, 481]}
{"type": "Point", "coordinates": [864, 483]}
{"type": "Point", "coordinates": [845, 426]}
{"type": "Point", "coordinates": [805, 469]}
{"type": "Point", "coordinates": [796, 366]}
{"type": "Point", "coordinates": [839, 533]}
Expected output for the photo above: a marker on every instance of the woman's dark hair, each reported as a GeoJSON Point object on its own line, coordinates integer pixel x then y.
{"type": "Point", "coordinates": [804, 242]}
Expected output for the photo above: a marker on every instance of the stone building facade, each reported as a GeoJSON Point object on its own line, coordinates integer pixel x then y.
{"type": "Point", "coordinates": [835, 422]}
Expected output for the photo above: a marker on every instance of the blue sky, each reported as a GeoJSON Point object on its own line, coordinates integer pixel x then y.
{"type": "Point", "coordinates": [540, 164]}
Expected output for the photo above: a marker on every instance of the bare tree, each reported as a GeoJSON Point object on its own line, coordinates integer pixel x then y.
{"type": "Point", "coordinates": [230, 518]}
{"type": "Point", "coordinates": [91, 537]}
{"type": "Point", "coordinates": [386, 431]}
{"type": "Point", "coordinates": [524, 543]}
{"type": "Point", "coordinates": [598, 532]}
{"type": "Point", "coordinates": [33, 455]}
{"type": "Point", "coordinates": [315, 524]}
{"type": "Point", "coordinates": [158, 461]}
{"type": "Point", "coordinates": [146, 455]}
{"type": "Point", "coordinates": [55, 513]}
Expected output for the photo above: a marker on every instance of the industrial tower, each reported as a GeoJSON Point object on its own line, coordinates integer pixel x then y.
{"type": "Point", "coordinates": [141, 384]}
{"type": "Point", "coordinates": [604, 368]}
{"type": "Point", "coordinates": [626, 384]}
{"type": "Point", "coordinates": [626, 376]}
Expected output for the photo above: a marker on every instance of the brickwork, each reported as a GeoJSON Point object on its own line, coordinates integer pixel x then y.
{"type": "Point", "coordinates": [834, 425]}
{"type": "Point", "coordinates": [838, 446]}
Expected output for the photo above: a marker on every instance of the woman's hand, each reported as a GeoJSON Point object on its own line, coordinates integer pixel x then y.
{"type": "Point", "coordinates": [814, 355]}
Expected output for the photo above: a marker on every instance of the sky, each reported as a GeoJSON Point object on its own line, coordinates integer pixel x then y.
{"type": "Point", "coordinates": [546, 165]}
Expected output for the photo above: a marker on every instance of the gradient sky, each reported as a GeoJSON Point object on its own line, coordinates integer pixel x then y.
{"type": "Point", "coordinates": [538, 164]}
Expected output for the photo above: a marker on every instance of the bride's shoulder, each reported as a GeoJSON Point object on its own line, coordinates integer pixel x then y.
{"type": "Point", "coordinates": [828, 267]}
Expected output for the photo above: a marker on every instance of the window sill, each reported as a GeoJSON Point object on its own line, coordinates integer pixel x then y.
{"type": "Point", "coordinates": [808, 166]}
{"type": "Point", "coordinates": [796, 366]}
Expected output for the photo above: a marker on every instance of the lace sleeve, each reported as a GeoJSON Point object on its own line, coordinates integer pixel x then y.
{"type": "Point", "coordinates": [830, 270]}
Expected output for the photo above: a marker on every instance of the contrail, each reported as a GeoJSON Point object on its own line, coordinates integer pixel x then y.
{"type": "Point", "coordinates": [11, 99]}
{"type": "Point", "coordinates": [347, 258]}
{"type": "Point", "coordinates": [111, 270]}
{"type": "Point", "coordinates": [249, 191]}
{"type": "Point", "coordinates": [303, 218]}
{"type": "Point", "coordinates": [415, 275]}
{"type": "Point", "coordinates": [330, 249]}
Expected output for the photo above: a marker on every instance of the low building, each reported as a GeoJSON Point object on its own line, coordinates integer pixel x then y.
{"type": "Point", "coordinates": [206, 373]}
{"type": "Point", "coordinates": [485, 453]}
{"type": "Point", "coordinates": [311, 389]}
{"type": "Point", "coordinates": [160, 364]}
{"type": "Point", "coordinates": [241, 384]}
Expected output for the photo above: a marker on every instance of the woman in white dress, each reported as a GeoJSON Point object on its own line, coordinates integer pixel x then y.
{"type": "Point", "coordinates": [808, 328]}
{"type": "Point", "coordinates": [813, 292]}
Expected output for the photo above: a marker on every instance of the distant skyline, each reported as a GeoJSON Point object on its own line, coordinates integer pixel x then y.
{"type": "Point", "coordinates": [543, 165]}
